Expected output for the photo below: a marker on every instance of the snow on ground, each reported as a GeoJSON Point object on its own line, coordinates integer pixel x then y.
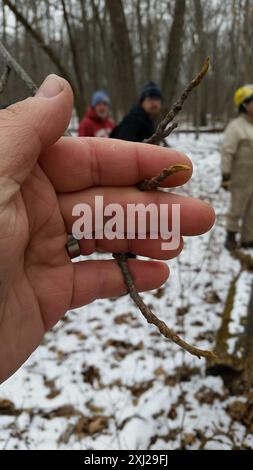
{"type": "Point", "coordinates": [105, 379]}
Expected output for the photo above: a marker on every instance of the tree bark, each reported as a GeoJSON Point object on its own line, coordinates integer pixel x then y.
{"type": "Point", "coordinates": [76, 64]}
{"type": "Point", "coordinates": [123, 52]}
{"type": "Point", "coordinates": [170, 76]}
{"type": "Point", "coordinates": [201, 53]}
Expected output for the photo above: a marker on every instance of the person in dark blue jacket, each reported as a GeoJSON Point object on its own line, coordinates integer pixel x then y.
{"type": "Point", "coordinates": [138, 124]}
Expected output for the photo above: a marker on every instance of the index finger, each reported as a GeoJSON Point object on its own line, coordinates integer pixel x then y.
{"type": "Point", "coordinates": [73, 163]}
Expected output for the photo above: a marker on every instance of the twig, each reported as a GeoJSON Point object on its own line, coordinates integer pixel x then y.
{"type": "Point", "coordinates": [156, 180]}
{"type": "Point", "coordinates": [4, 77]}
{"type": "Point", "coordinates": [168, 131]}
{"type": "Point", "coordinates": [162, 131]}
{"type": "Point", "coordinates": [19, 71]}
{"type": "Point", "coordinates": [150, 316]}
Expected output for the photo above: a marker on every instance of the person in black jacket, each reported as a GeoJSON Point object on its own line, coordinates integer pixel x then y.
{"type": "Point", "coordinates": [138, 125]}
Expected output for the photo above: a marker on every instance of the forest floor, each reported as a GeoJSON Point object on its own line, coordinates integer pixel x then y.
{"type": "Point", "coordinates": [105, 379]}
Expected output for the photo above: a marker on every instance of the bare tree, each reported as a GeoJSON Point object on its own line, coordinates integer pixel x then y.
{"type": "Point", "coordinates": [201, 49]}
{"type": "Point", "coordinates": [170, 76]}
{"type": "Point", "coordinates": [123, 53]}
{"type": "Point", "coordinates": [119, 45]}
{"type": "Point", "coordinates": [45, 47]}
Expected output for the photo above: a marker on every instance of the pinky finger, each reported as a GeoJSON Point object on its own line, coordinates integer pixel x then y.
{"type": "Point", "coordinates": [101, 279]}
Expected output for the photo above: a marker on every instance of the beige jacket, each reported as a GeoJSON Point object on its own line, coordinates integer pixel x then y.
{"type": "Point", "coordinates": [237, 148]}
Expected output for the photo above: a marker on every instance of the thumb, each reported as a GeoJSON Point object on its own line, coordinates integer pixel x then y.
{"type": "Point", "coordinates": [28, 127]}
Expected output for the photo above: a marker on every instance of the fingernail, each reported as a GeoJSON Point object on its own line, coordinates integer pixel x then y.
{"type": "Point", "coordinates": [51, 87]}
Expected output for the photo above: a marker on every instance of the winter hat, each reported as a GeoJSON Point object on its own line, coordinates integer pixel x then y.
{"type": "Point", "coordinates": [100, 96]}
{"type": "Point", "coordinates": [151, 90]}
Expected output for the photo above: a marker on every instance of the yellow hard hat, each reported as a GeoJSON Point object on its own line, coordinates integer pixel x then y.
{"type": "Point", "coordinates": [242, 94]}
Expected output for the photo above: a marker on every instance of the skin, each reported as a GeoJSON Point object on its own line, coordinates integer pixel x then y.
{"type": "Point", "coordinates": [41, 175]}
{"type": "Point", "coordinates": [152, 106]}
{"type": "Point", "coordinates": [102, 110]}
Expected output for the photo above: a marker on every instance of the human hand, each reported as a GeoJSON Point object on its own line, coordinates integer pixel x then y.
{"type": "Point", "coordinates": [42, 175]}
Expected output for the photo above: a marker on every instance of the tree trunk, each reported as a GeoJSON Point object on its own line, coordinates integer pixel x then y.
{"type": "Point", "coordinates": [123, 53]}
{"type": "Point", "coordinates": [170, 76]}
{"type": "Point", "coordinates": [75, 61]}
{"type": "Point", "coordinates": [202, 53]}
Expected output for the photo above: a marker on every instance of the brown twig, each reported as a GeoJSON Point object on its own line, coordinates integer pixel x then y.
{"type": "Point", "coordinates": [156, 180]}
{"type": "Point", "coordinates": [4, 77]}
{"type": "Point", "coordinates": [167, 131]}
{"type": "Point", "coordinates": [150, 316]}
{"type": "Point", "coordinates": [161, 130]}
{"type": "Point", "coordinates": [160, 133]}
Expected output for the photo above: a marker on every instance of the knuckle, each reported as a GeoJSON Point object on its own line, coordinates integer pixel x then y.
{"type": "Point", "coordinates": [16, 113]}
{"type": "Point", "coordinates": [19, 122]}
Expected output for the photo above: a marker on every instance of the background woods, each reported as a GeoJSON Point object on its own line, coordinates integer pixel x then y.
{"type": "Point", "coordinates": [120, 44]}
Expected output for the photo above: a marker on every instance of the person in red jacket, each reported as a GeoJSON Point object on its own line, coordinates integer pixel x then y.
{"type": "Point", "coordinates": [96, 122]}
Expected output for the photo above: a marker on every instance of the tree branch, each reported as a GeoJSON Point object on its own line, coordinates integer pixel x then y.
{"type": "Point", "coordinates": [19, 71]}
{"type": "Point", "coordinates": [4, 77]}
{"type": "Point", "coordinates": [156, 180]}
{"type": "Point", "coordinates": [11, 63]}
{"type": "Point", "coordinates": [39, 39]}
{"type": "Point", "coordinates": [76, 64]}
{"type": "Point", "coordinates": [151, 317]}
{"type": "Point", "coordinates": [161, 132]}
